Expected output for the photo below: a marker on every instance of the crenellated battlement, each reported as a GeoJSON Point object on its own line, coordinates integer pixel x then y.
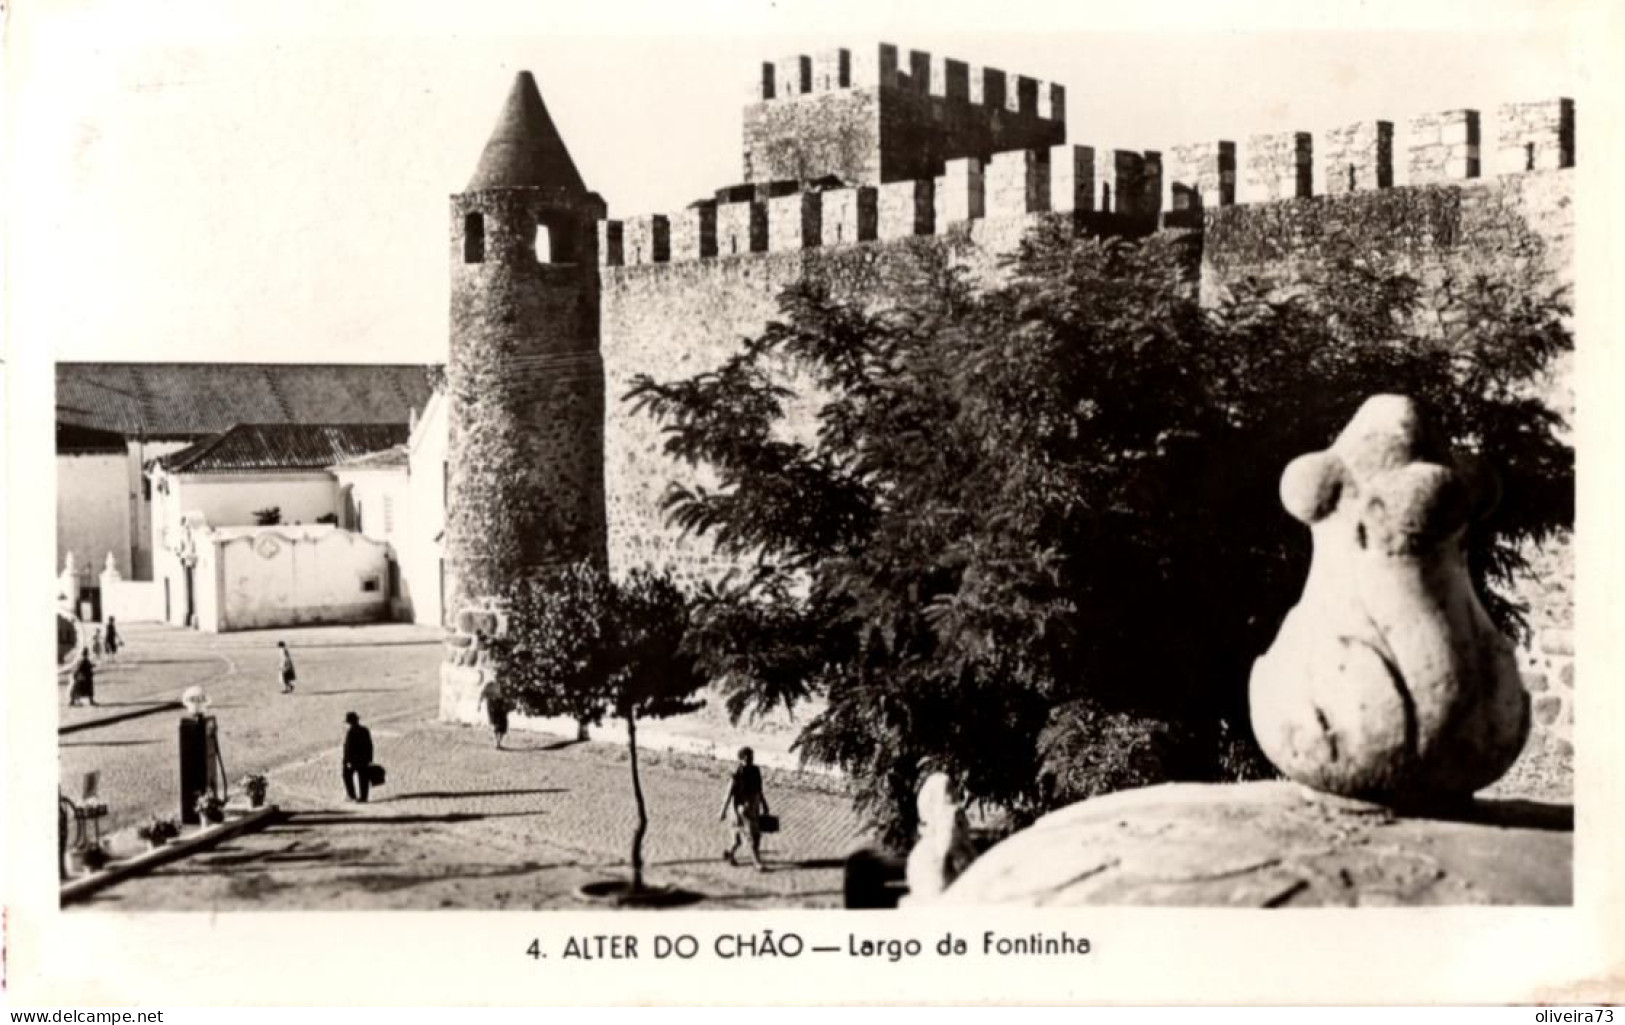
{"type": "Point", "coordinates": [782, 216]}
{"type": "Point", "coordinates": [914, 71]}
{"type": "Point", "coordinates": [872, 117]}
{"type": "Point", "coordinates": [1440, 148]}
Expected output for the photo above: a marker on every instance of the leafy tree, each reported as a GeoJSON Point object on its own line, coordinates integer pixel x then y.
{"type": "Point", "coordinates": [581, 644]}
{"type": "Point", "coordinates": [1058, 497]}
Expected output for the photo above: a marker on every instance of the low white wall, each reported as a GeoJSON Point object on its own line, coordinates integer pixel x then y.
{"type": "Point", "coordinates": [286, 576]}
{"type": "Point", "coordinates": [133, 601]}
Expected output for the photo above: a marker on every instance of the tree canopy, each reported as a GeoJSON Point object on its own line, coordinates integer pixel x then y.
{"type": "Point", "coordinates": [1061, 493]}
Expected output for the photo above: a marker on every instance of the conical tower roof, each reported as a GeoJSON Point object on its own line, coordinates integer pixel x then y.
{"type": "Point", "coordinates": [525, 149]}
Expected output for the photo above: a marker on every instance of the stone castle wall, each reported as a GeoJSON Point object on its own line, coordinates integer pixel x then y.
{"type": "Point", "coordinates": [679, 290]}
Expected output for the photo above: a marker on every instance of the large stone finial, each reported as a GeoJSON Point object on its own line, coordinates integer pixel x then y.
{"type": "Point", "coordinates": [944, 849]}
{"type": "Point", "coordinates": [1388, 681]}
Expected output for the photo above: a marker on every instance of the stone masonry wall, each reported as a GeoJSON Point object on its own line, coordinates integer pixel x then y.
{"type": "Point", "coordinates": [525, 379]}
{"type": "Point", "coordinates": [1515, 222]}
{"type": "Point", "coordinates": [676, 320]}
{"type": "Point", "coordinates": [673, 319]}
{"type": "Point", "coordinates": [887, 115]}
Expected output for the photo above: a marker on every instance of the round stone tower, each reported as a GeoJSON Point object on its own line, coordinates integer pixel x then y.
{"type": "Point", "coordinates": [525, 382]}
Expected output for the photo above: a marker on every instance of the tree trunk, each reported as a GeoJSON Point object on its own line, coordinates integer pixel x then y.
{"type": "Point", "coordinates": [643, 812]}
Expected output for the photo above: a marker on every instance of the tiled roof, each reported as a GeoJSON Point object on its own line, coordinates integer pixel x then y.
{"type": "Point", "coordinates": [191, 400]}
{"type": "Point", "coordinates": [248, 447]}
{"type": "Point", "coordinates": [390, 458]}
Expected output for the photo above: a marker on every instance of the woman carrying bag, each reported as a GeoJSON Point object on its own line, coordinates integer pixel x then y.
{"type": "Point", "coordinates": [748, 803]}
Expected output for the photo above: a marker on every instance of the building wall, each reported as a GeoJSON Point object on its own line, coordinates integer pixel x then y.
{"type": "Point", "coordinates": [93, 512]}
{"type": "Point", "coordinates": [375, 501]}
{"type": "Point", "coordinates": [102, 506]}
{"type": "Point", "coordinates": [418, 545]}
{"type": "Point", "coordinates": [230, 500]}
{"type": "Point", "coordinates": [133, 601]}
{"type": "Point", "coordinates": [141, 500]}
{"type": "Point", "coordinates": [378, 500]}
{"type": "Point", "coordinates": [274, 576]}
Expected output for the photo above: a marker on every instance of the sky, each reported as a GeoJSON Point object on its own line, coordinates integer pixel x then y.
{"type": "Point", "coordinates": [269, 182]}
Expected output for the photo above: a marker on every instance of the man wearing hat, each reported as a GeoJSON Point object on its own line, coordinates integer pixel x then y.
{"type": "Point", "coordinates": [357, 757]}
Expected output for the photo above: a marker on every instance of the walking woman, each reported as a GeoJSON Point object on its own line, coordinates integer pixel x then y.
{"type": "Point", "coordinates": [84, 681]}
{"type": "Point", "coordinates": [496, 706]}
{"type": "Point", "coordinates": [111, 640]}
{"type": "Point", "coordinates": [748, 803]}
{"type": "Point", "coordinates": [288, 675]}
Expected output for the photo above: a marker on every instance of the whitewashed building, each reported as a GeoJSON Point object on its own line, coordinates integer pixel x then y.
{"type": "Point", "coordinates": [115, 419]}
{"type": "Point", "coordinates": [246, 529]}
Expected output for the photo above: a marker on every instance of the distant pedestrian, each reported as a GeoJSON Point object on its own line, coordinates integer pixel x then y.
{"type": "Point", "coordinates": [84, 681]}
{"type": "Point", "coordinates": [96, 643]}
{"type": "Point", "coordinates": [357, 758]}
{"type": "Point", "coordinates": [748, 803]}
{"type": "Point", "coordinates": [112, 640]}
{"type": "Point", "coordinates": [288, 675]}
{"type": "Point", "coordinates": [496, 706]}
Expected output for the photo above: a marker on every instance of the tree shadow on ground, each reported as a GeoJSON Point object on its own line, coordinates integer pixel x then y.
{"type": "Point", "coordinates": [107, 743]}
{"type": "Point", "coordinates": [450, 818]}
{"type": "Point", "coordinates": [354, 690]}
{"type": "Point", "coordinates": [742, 860]}
{"type": "Point", "coordinates": [409, 643]}
{"type": "Point", "coordinates": [447, 794]}
{"type": "Point", "coordinates": [557, 745]}
{"type": "Point", "coordinates": [725, 900]}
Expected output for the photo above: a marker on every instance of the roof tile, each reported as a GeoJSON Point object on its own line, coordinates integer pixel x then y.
{"type": "Point", "coordinates": [190, 400]}
{"type": "Point", "coordinates": [248, 447]}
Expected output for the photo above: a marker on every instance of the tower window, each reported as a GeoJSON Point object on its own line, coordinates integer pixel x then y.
{"type": "Point", "coordinates": [544, 244]}
{"type": "Point", "coordinates": [474, 238]}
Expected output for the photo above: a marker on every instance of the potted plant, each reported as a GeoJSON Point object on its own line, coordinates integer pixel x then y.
{"type": "Point", "coordinates": [210, 808]}
{"type": "Point", "coordinates": [254, 786]}
{"type": "Point", "coordinates": [95, 856]}
{"type": "Point", "coordinates": [159, 831]}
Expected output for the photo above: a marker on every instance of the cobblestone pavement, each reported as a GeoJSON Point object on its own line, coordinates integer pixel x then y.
{"type": "Point", "coordinates": [385, 673]}
{"type": "Point", "coordinates": [459, 824]}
